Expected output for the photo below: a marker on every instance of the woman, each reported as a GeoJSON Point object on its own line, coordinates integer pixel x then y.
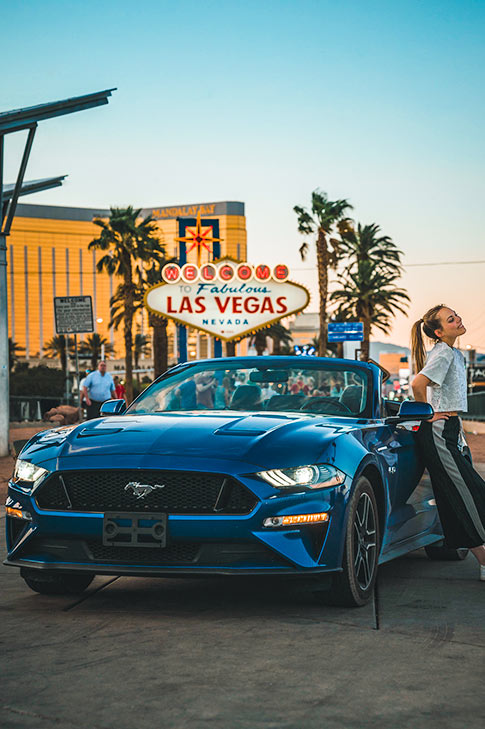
{"type": "Point", "coordinates": [459, 490]}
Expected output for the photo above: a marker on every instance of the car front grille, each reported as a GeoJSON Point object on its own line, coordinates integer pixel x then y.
{"type": "Point", "coordinates": [177, 553]}
{"type": "Point", "coordinates": [183, 492]}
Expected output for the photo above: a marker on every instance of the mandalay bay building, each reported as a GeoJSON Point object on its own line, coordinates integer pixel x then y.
{"type": "Point", "coordinates": [48, 256]}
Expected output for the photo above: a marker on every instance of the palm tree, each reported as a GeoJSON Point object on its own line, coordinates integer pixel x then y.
{"type": "Point", "coordinates": [144, 279]}
{"type": "Point", "coordinates": [364, 244]}
{"type": "Point", "coordinates": [128, 241]}
{"type": "Point", "coordinates": [92, 345]}
{"type": "Point", "coordinates": [58, 346]}
{"type": "Point", "coordinates": [141, 346]}
{"type": "Point", "coordinates": [281, 337]}
{"type": "Point", "coordinates": [368, 292]}
{"type": "Point", "coordinates": [325, 216]}
{"type": "Point", "coordinates": [259, 341]}
{"type": "Point", "coordinates": [13, 350]}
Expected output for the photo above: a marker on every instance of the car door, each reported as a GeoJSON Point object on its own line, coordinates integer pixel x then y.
{"type": "Point", "coordinates": [413, 509]}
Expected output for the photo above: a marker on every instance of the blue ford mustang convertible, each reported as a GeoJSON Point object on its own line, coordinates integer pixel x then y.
{"type": "Point", "coordinates": [254, 465]}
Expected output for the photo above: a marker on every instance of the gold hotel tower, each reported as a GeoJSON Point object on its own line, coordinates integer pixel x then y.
{"type": "Point", "coordinates": [48, 256]}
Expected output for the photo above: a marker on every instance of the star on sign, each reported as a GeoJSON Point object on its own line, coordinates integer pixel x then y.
{"type": "Point", "coordinates": [199, 238]}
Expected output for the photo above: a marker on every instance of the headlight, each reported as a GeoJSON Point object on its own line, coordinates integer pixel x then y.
{"type": "Point", "coordinates": [312, 477]}
{"type": "Point", "coordinates": [25, 471]}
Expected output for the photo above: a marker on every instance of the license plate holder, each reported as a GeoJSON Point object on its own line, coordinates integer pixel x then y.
{"type": "Point", "coordinates": [138, 529]}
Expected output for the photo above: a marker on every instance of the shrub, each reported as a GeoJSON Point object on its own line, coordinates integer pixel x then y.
{"type": "Point", "coordinates": [37, 381]}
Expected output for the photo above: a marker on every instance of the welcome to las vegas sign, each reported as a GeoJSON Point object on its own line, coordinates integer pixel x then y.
{"type": "Point", "coordinates": [226, 299]}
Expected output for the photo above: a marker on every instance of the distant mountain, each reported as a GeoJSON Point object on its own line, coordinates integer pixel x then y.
{"type": "Point", "coordinates": [375, 349]}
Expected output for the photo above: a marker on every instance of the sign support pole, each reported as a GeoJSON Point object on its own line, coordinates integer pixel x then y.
{"type": "Point", "coordinates": [181, 331]}
{"type": "Point", "coordinates": [77, 371]}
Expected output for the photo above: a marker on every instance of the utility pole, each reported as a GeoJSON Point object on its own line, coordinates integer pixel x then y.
{"type": "Point", "coordinates": [10, 122]}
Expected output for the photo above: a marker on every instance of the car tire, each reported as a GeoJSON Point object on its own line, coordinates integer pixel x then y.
{"type": "Point", "coordinates": [440, 553]}
{"type": "Point", "coordinates": [353, 587]}
{"type": "Point", "coordinates": [56, 583]}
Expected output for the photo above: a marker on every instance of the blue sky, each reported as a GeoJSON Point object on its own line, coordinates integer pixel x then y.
{"type": "Point", "coordinates": [378, 102]}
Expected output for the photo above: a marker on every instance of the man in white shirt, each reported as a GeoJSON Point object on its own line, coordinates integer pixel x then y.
{"type": "Point", "coordinates": [98, 388]}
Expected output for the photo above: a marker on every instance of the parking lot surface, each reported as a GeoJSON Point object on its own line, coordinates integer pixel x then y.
{"type": "Point", "coordinates": [252, 653]}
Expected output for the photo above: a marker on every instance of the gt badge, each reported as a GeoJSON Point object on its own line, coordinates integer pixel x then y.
{"type": "Point", "coordinates": [140, 490]}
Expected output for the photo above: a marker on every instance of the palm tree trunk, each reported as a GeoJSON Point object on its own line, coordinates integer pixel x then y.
{"type": "Point", "coordinates": [63, 353]}
{"type": "Point", "coordinates": [322, 265]}
{"type": "Point", "coordinates": [366, 341]}
{"type": "Point", "coordinates": [128, 315]}
{"type": "Point", "coordinates": [160, 343]}
{"type": "Point", "coordinates": [340, 350]}
{"type": "Point", "coordinates": [259, 343]}
{"type": "Point", "coordinates": [230, 349]}
{"type": "Point", "coordinates": [276, 345]}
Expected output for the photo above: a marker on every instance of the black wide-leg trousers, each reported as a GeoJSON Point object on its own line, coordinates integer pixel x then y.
{"type": "Point", "coordinates": [458, 489]}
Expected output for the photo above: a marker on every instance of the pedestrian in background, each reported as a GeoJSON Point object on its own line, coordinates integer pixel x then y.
{"type": "Point", "coordinates": [119, 389]}
{"type": "Point", "coordinates": [98, 388]}
{"type": "Point", "coordinates": [459, 490]}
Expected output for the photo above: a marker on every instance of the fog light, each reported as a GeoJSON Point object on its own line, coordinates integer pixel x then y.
{"type": "Point", "coordinates": [293, 519]}
{"type": "Point", "coordinates": [18, 513]}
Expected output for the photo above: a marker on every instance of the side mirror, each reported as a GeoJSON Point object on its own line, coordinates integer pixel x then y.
{"type": "Point", "coordinates": [411, 410]}
{"type": "Point", "coordinates": [112, 407]}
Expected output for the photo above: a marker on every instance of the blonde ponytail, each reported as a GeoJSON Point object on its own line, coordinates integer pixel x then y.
{"type": "Point", "coordinates": [418, 351]}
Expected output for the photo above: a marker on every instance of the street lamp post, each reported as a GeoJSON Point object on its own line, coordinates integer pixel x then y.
{"type": "Point", "coordinates": [15, 121]}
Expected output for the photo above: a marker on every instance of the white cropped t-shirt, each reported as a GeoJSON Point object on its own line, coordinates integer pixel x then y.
{"type": "Point", "coordinates": [446, 368]}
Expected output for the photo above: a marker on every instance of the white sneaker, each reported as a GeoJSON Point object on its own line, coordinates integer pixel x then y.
{"type": "Point", "coordinates": [482, 572]}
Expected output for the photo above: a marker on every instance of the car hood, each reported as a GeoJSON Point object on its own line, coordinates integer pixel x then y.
{"type": "Point", "coordinates": [259, 439]}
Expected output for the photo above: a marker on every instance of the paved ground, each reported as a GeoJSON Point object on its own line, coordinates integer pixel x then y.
{"type": "Point", "coordinates": [246, 654]}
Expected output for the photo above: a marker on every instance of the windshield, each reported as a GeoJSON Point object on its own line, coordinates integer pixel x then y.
{"type": "Point", "coordinates": [329, 390]}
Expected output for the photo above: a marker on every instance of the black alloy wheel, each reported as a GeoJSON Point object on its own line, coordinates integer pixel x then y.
{"type": "Point", "coordinates": [354, 585]}
{"type": "Point", "coordinates": [50, 582]}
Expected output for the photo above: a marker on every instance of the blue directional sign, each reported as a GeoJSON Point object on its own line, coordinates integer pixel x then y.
{"type": "Point", "coordinates": [345, 331]}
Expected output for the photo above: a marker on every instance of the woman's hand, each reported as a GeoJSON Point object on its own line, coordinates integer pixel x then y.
{"type": "Point", "coordinates": [439, 416]}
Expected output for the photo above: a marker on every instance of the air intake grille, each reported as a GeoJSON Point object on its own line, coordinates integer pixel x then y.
{"type": "Point", "coordinates": [183, 492]}
{"type": "Point", "coordinates": [181, 552]}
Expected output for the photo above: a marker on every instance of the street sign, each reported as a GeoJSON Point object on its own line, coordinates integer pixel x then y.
{"type": "Point", "coordinates": [476, 373]}
{"type": "Point", "coordinates": [74, 314]}
{"type": "Point", "coordinates": [345, 331]}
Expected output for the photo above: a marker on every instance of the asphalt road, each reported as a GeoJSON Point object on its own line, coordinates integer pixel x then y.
{"type": "Point", "coordinates": [246, 653]}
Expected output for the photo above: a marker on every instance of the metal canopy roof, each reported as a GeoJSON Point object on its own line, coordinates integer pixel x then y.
{"type": "Point", "coordinates": [17, 119]}
{"type": "Point", "coordinates": [33, 186]}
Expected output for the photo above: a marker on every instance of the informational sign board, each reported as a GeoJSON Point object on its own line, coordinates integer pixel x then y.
{"type": "Point", "coordinates": [345, 331]}
{"type": "Point", "coordinates": [476, 374]}
{"type": "Point", "coordinates": [74, 314]}
{"type": "Point", "coordinates": [226, 299]}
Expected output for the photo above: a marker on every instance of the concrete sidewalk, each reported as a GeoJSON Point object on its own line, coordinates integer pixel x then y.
{"type": "Point", "coordinates": [247, 653]}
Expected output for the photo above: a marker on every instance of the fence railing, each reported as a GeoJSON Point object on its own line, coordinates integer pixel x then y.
{"type": "Point", "coordinates": [32, 407]}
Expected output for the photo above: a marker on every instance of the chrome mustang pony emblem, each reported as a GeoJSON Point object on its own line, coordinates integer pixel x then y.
{"type": "Point", "coordinates": [140, 490]}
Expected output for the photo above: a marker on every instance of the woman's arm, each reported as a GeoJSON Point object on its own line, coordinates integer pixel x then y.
{"type": "Point", "coordinates": [419, 385]}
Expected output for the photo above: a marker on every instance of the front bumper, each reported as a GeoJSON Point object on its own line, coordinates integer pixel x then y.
{"type": "Point", "coordinates": [197, 544]}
